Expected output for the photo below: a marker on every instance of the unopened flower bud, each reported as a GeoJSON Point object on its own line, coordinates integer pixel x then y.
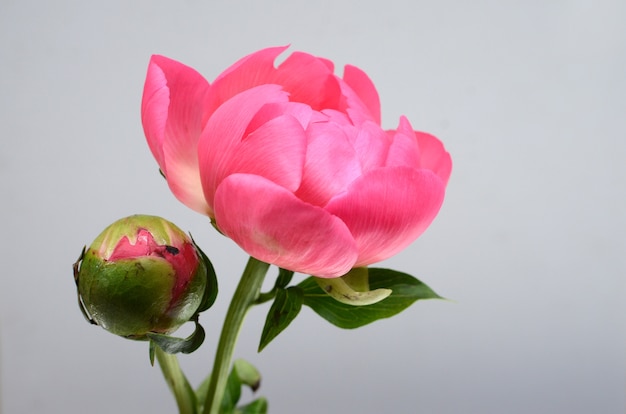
{"type": "Point", "coordinates": [141, 274]}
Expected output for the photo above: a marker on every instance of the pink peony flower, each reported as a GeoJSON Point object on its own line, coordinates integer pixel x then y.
{"type": "Point", "coordinates": [291, 161]}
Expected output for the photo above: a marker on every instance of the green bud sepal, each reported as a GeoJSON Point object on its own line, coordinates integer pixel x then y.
{"type": "Point", "coordinates": [174, 345]}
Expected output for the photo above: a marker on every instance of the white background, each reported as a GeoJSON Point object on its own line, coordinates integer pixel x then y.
{"type": "Point", "coordinates": [529, 98]}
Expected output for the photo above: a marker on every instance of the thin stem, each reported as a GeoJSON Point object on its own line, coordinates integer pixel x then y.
{"type": "Point", "coordinates": [176, 380]}
{"type": "Point", "coordinates": [244, 297]}
{"type": "Point", "coordinates": [266, 296]}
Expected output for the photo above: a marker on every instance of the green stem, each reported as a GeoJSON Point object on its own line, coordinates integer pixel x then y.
{"type": "Point", "coordinates": [244, 297]}
{"type": "Point", "coordinates": [176, 380]}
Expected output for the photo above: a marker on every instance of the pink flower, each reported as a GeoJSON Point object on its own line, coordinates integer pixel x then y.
{"type": "Point", "coordinates": [291, 161]}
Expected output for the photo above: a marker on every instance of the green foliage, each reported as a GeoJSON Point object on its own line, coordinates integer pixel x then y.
{"type": "Point", "coordinates": [210, 292]}
{"type": "Point", "coordinates": [345, 312]}
{"type": "Point", "coordinates": [405, 291]}
{"type": "Point", "coordinates": [258, 406]}
{"type": "Point", "coordinates": [242, 374]}
{"type": "Point", "coordinates": [284, 277]}
{"type": "Point", "coordinates": [284, 309]}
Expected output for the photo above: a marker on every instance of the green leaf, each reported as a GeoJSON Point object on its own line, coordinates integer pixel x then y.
{"type": "Point", "coordinates": [258, 406]}
{"type": "Point", "coordinates": [405, 291]}
{"type": "Point", "coordinates": [210, 292]}
{"type": "Point", "coordinates": [285, 308]}
{"type": "Point", "coordinates": [242, 373]}
{"type": "Point", "coordinates": [173, 345]}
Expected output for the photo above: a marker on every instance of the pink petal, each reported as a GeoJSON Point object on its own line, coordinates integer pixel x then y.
{"type": "Point", "coordinates": [144, 245]}
{"type": "Point", "coordinates": [276, 151]}
{"type": "Point", "coordinates": [433, 156]}
{"type": "Point", "coordinates": [273, 225]}
{"type": "Point", "coordinates": [387, 209]}
{"type": "Point", "coordinates": [172, 107]}
{"type": "Point", "coordinates": [309, 80]}
{"type": "Point", "coordinates": [250, 71]}
{"type": "Point", "coordinates": [363, 86]}
{"type": "Point", "coordinates": [303, 113]}
{"type": "Point", "coordinates": [372, 146]}
{"type": "Point", "coordinates": [224, 131]}
{"type": "Point", "coordinates": [154, 108]}
{"type": "Point", "coordinates": [404, 149]}
{"type": "Point", "coordinates": [331, 163]}
{"type": "Point", "coordinates": [352, 105]}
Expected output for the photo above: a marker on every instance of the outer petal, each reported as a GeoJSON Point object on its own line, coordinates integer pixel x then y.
{"type": "Point", "coordinates": [433, 155]}
{"type": "Point", "coordinates": [274, 226]}
{"type": "Point", "coordinates": [363, 86]}
{"type": "Point", "coordinates": [224, 132]}
{"type": "Point", "coordinates": [171, 110]}
{"type": "Point", "coordinates": [387, 209]}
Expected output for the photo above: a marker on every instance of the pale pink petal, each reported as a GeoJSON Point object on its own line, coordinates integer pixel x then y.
{"type": "Point", "coordinates": [172, 107]}
{"type": "Point", "coordinates": [372, 146]}
{"type": "Point", "coordinates": [404, 149]}
{"type": "Point", "coordinates": [331, 163]}
{"type": "Point", "coordinates": [363, 86]}
{"type": "Point", "coordinates": [387, 209]}
{"type": "Point", "coordinates": [433, 155]}
{"type": "Point", "coordinates": [274, 226]}
{"type": "Point", "coordinates": [224, 132]}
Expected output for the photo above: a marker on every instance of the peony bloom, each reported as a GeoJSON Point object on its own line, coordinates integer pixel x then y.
{"type": "Point", "coordinates": [291, 161]}
{"type": "Point", "coordinates": [141, 274]}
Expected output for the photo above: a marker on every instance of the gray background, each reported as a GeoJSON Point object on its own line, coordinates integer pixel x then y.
{"type": "Point", "coordinates": [529, 98]}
